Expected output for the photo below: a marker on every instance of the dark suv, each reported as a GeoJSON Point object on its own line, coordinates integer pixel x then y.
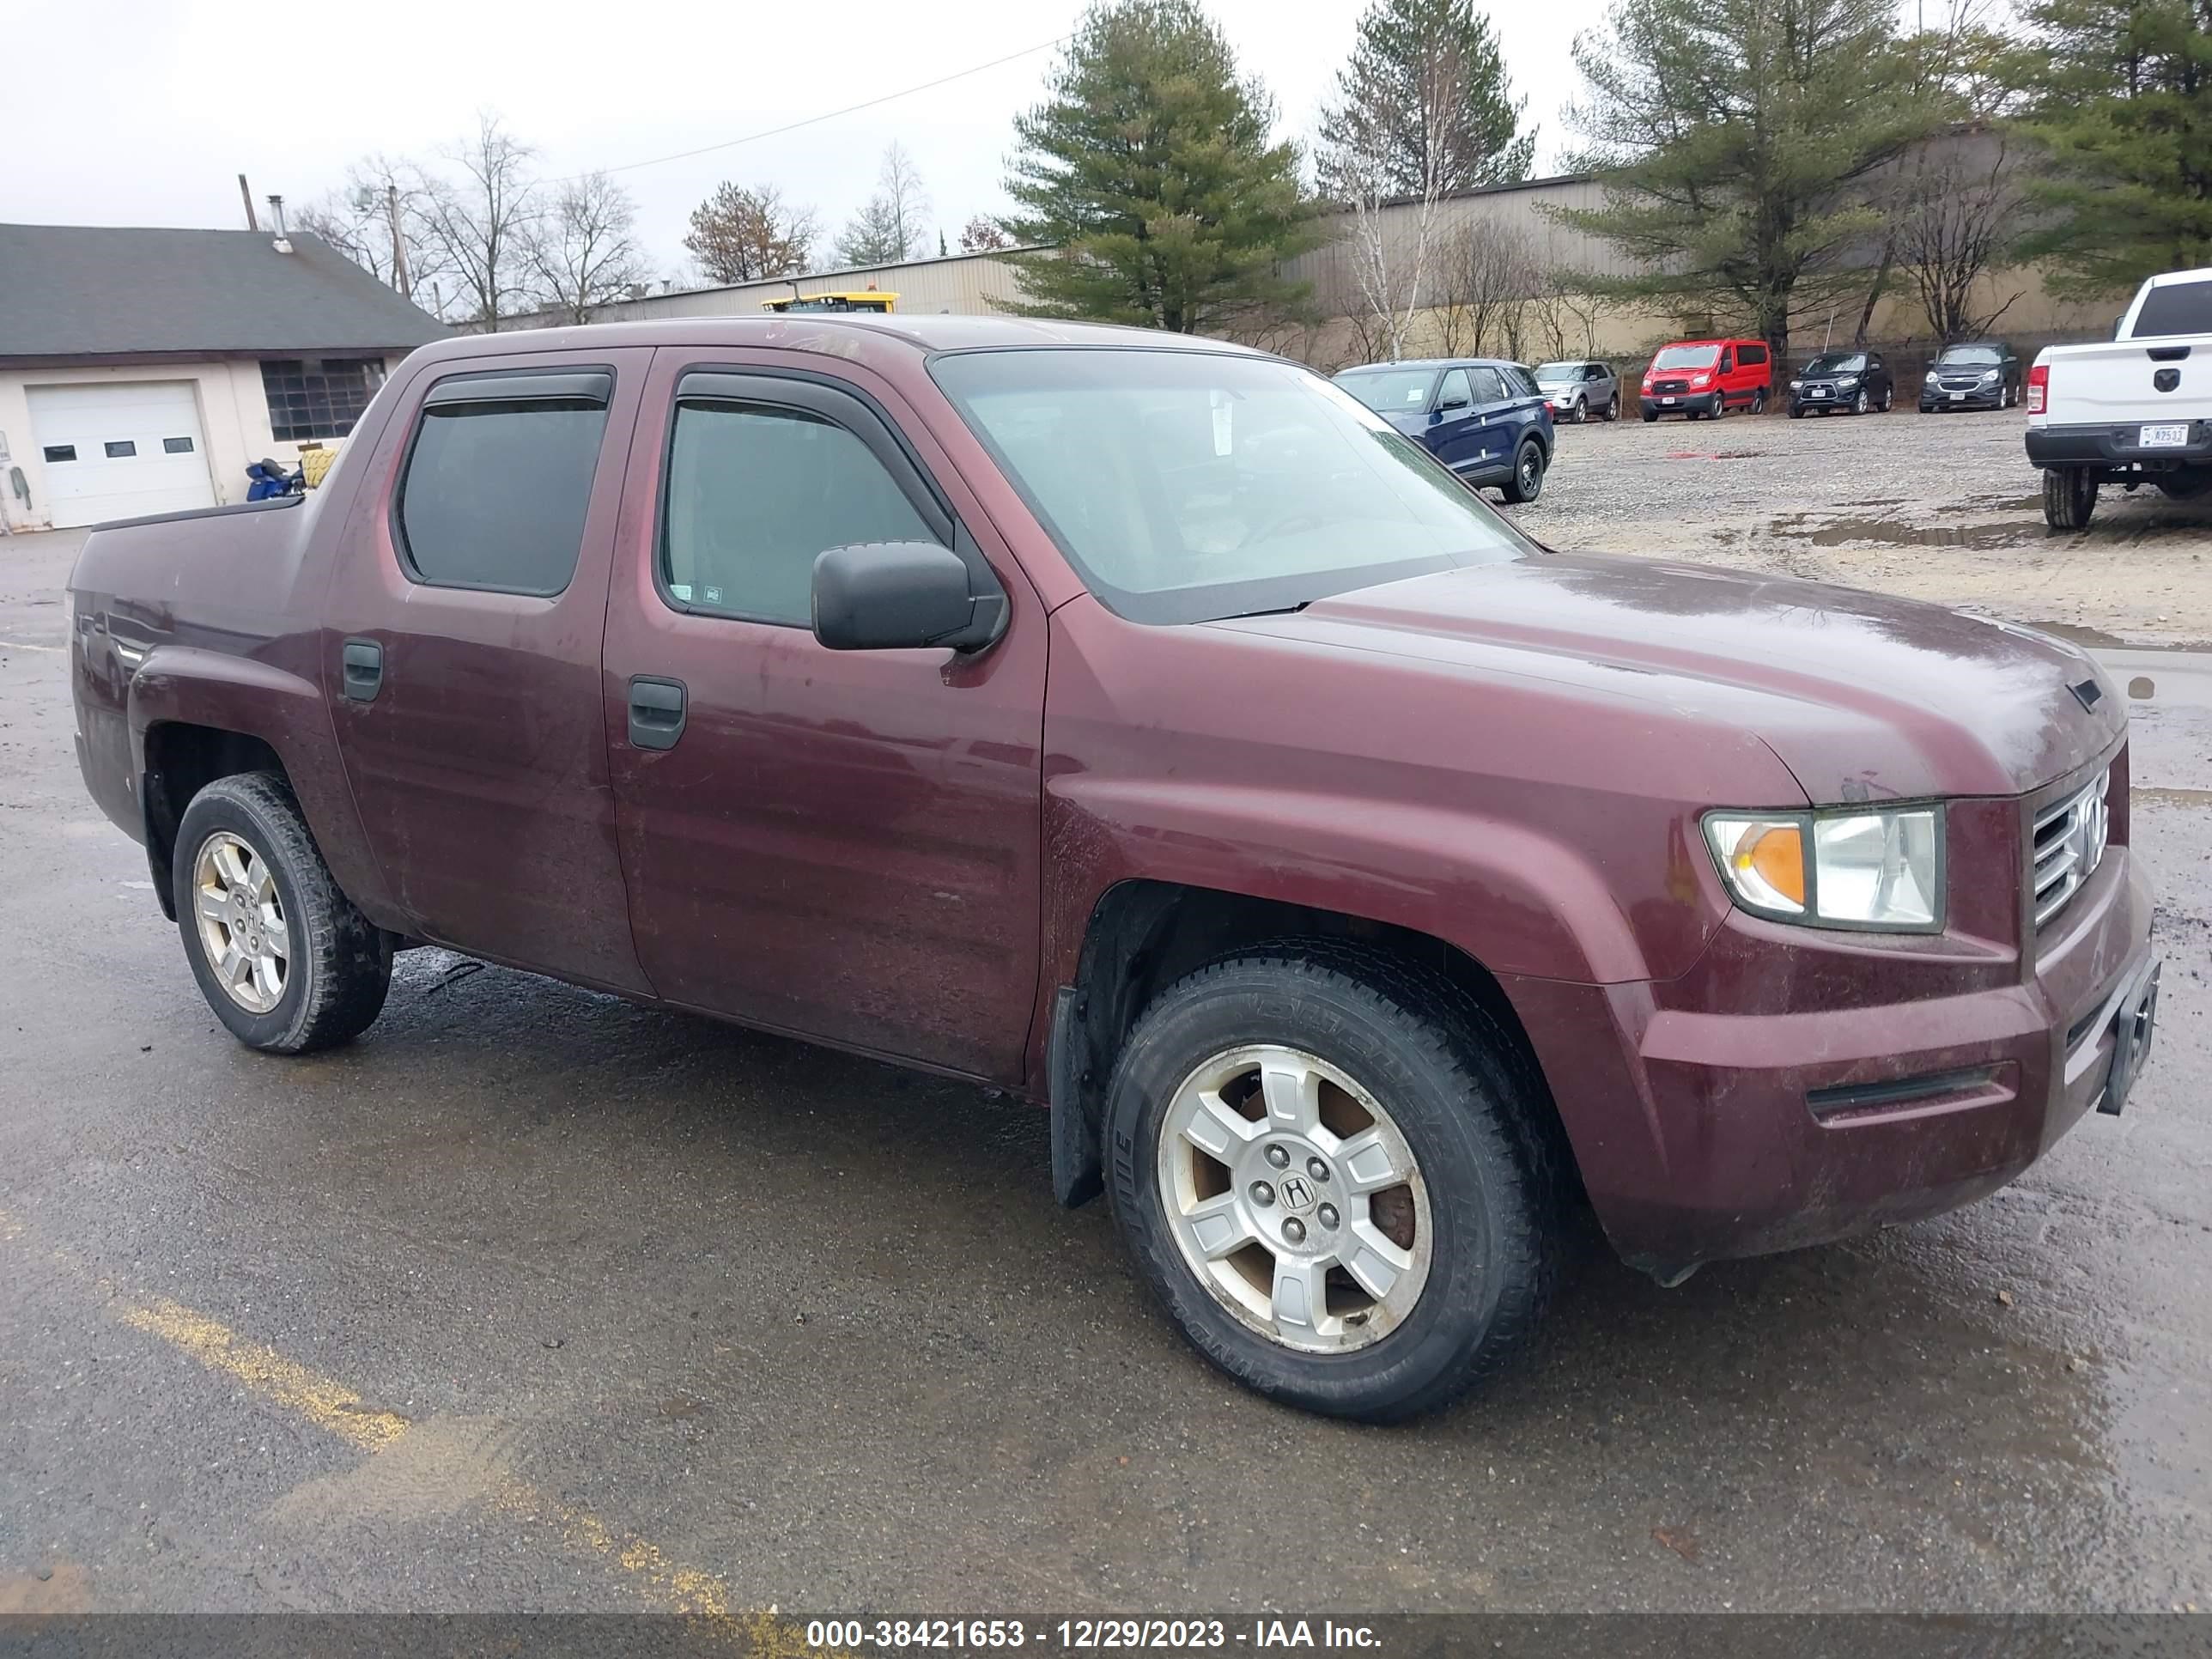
{"type": "Point", "coordinates": [1484, 419]}
{"type": "Point", "coordinates": [1971, 374]}
{"type": "Point", "coordinates": [1854, 380]}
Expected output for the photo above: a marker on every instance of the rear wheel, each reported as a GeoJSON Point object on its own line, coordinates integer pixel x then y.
{"type": "Point", "coordinates": [2069, 496]}
{"type": "Point", "coordinates": [1527, 482]}
{"type": "Point", "coordinates": [281, 956]}
{"type": "Point", "coordinates": [1326, 1168]}
{"type": "Point", "coordinates": [1612, 409]}
{"type": "Point", "coordinates": [1758, 401]}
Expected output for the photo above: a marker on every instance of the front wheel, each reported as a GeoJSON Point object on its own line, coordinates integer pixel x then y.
{"type": "Point", "coordinates": [1861, 404]}
{"type": "Point", "coordinates": [1528, 480]}
{"type": "Point", "coordinates": [1650, 415]}
{"type": "Point", "coordinates": [281, 956]}
{"type": "Point", "coordinates": [1329, 1172]}
{"type": "Point", "coordinates": [2069, 496]}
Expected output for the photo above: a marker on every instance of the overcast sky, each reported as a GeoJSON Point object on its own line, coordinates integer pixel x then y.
{"type": "Point", "coordinates": [144, 112]}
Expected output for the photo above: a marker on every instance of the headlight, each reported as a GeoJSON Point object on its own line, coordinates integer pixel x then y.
{"type": "Point", "coordinates": [1844, 868]}
{"type": "Point", "coordinates": [1848, 382]}
{"type": "Point", "coordinates": [1988, 375]}
{"type": "Point", "coordinates": [1797, 385]}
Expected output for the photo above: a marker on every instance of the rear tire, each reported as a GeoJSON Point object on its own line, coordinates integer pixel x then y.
{"type": "Point", "coordinates": [2069, 497]}
{"type": "Point", "coordinates": [1526, 482]}
{"type": "Point", "coordinates": [1758, 401]}
{"type": "Point", "coordinates": [1612, 409]}
{"type": "Point", "coordinates": [1457, 1258]}
{"type": "Point", "coordinates": [281, 956]}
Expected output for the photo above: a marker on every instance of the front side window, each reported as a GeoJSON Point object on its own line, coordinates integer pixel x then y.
{"type": "Point", "coordinates": [1454, 393]}
{"type": "Point", "coordinates": [318, 396]}
{"type": "Point", "coordinates": [1390, 391]}
{"type": "Point", "coordinates": [1686, 356]}
{"type": "Point", "coordinates": [756, 491]}
{"type": "Point", "coordinates": [495, 493]}
{"type": "Point", "coordinates": [1188, 485]}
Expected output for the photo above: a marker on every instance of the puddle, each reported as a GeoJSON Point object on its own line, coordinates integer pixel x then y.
{"type": "Point", "coordinates": [1891, 532]}
{"type": "Point", "coordinates": [2200, 798]}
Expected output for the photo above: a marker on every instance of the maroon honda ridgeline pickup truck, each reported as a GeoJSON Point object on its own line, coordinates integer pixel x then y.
{"type": "Point", "coordinates": [1141, 724]}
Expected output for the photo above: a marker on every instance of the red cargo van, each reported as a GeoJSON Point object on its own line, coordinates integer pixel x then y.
{"type": "Point", "coordinates": [1707, 378]}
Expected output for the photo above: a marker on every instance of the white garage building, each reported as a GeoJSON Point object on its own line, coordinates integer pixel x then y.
{"type": "Point", "coordinates": [141, 370]}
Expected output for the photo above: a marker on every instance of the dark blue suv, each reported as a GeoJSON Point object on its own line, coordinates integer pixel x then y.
{"type": "Point", "coordinates": [1483, 418]}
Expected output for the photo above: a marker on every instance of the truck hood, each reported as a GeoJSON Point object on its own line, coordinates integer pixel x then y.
{"type": "Point", "coordinates": [1864, 697]}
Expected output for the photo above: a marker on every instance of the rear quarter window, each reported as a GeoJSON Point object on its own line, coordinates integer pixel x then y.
{"type": "Point", "coordinates": [495, 492]}
{"type": "Point", "coordinates": [1751, 357]}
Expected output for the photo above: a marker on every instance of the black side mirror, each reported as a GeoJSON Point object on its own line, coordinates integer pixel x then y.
{"type": "Point", "coordinates": [889, 596]}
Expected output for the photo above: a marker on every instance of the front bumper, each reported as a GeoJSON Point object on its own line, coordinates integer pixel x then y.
{"type": "Point", "coordinates": [1834, 397]}
{"type": "Point", "coordinates": [1933, 398]}
{"type": "Point", "coordinates": [1683, 403]}
{"type": "Point", "coordinates": [2118, 447]}
{"type": "Point", "coordinates": [1758, 1132]}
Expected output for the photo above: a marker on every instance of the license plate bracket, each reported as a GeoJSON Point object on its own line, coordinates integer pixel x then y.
{"type": "Point", "coordinates": [2169, 434]}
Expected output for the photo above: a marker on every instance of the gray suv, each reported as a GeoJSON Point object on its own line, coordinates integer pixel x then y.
{"type": "Point", "coordinates": [1578, 391]}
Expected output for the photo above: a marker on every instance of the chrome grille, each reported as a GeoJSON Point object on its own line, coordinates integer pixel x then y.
{"type": "Point", "coordinates": [2069, 845]}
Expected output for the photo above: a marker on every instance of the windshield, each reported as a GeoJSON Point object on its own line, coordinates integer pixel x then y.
{"type": "Point", "coordinates": [1390, 391]}
{"type": "Point", "coordinates": [1703, 357]}
{"type": "Point", "coordinates": [1558, 374]}
{"type": "Point", "coordinates": [1976, 356]}
{"type": "Point", "coordinates": [1837, 362]}
{"type": "Point", "coordinates": [1186, 486]}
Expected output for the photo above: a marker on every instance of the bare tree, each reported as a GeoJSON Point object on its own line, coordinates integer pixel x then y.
{"type": "Point", "coordinates": [481, 217]}
{"type": "Point", "coordinates": [583, 249]}
{"type": "Point", "coordinates": [357, 219]}
{"type": "Point", "coordinates": [889, 228]}
{"type": "Point", "coordinates": [982, 235]}
{"type": "Point", "coordinates": [1390, 256]}
{"type": "Point", "coordinates": [1957, 226]}
{"type": "Point", "coordinates": [742, 236]}
{"type": "Point", "coordinates": [1487, 277]}
{"type": "Point", "coordinates": [1563, 316]}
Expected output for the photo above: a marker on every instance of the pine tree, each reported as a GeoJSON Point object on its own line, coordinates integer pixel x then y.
{"type": "Point", "coordinates": [1379, 124]}
{"type": "Point", "coordinates": [1743, 135]}
{"type": "Point", "coordinates": [2121, 108]}
{"type": "Point", "coordinates": [1149, 169]}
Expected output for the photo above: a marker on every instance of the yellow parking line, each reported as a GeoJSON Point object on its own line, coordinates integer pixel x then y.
{"type": "Point", "coordinates": [340, 1411]}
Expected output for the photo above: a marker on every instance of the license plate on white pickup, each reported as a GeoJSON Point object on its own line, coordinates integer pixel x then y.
{"type": "Point", "coordinates": [2174, 436]}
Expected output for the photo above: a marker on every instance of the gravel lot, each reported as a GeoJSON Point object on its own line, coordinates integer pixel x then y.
{"type": "Point", "coordinates": [1938, 506]}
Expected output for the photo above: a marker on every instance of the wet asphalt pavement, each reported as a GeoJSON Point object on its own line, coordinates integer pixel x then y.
{"type": "Point", "coordinates": [534, 1299]}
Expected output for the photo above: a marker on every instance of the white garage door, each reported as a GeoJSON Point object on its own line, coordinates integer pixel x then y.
{"type": "Point", "coordinates": [120, 451]}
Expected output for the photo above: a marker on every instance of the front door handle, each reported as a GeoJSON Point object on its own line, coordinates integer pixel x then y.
{"type": "Point", "coordinates": [360, 670]}
{"type": "Point", "coordinates": [656, 712]}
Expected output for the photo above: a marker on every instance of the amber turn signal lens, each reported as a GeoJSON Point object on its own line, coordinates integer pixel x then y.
{"type": "Point", "coordinates": [1775, 853]}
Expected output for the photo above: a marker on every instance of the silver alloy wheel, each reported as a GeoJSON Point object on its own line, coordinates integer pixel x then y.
{"type": "Point", "coordinates": [1295, 1199]}
{"type": "Point", "coordinates": [242, 921]}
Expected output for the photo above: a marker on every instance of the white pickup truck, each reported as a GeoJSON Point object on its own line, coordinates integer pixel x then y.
{"type": "Point", "coordinates": [2135, 410]}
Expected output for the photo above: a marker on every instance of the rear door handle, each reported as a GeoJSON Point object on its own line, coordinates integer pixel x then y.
{"type": "Point", "coordinates": [360, 670]}
{"type": "Point", "coordinates": [656, 712]}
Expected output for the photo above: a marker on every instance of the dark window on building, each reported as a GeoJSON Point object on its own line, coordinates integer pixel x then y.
{"type": "Point", "coordinates": [755, 493]}
{"type": "Point", "coordinates": [61, 451]}
{"type": "Point", "coordinates": [495, 493]}
{"type": "Point", "coordinates": [176, 445]}
{"type": "Point", "coordinates": [318, 396]}
{"type": "Point", "coordinates": [121, 449]}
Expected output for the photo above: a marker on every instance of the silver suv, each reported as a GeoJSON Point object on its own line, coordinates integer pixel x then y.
{"type": "Point", "coordinates": [1579, 391]}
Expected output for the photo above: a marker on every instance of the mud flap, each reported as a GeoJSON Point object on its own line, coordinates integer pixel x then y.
{"type": "Point", "coordinates": [1077, 1176]}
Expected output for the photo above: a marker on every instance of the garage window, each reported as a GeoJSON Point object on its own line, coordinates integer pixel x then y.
{"type": "Point", "coordinates": [318, 396]}
{"type": "Point", "coordinates": [61, 451]}
{"type": "Point", "coordinates": [121, 449]}
{"type": "Point", "coordinates": [176, 445]}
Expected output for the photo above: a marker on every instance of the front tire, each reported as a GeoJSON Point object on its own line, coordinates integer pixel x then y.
{"type": "Point", "coordinates": [1526, 480]}
{"type": "Point", "coordinates": [281, 956]}
{"type": "Point", "coordinates": [2069, 497]}
{"type": "Point", "coordinates": [1861, 404]}
{"type": "Point", "coordinates": [1651, 416]}
{"type": "Point", "coordinates": [1327, 1168]}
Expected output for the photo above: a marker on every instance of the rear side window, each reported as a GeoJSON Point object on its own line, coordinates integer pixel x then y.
{"type": "Point", "coordinates": [2175, 308]}
{"type": "Point", "coordinates": [498, 479]}
{"type": "Point", "coordinates": [1488, 389]}
{"type": "Point", "coordinates": [1751, 357]}
{"type": "Point", "coordinates": [756, 491]}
